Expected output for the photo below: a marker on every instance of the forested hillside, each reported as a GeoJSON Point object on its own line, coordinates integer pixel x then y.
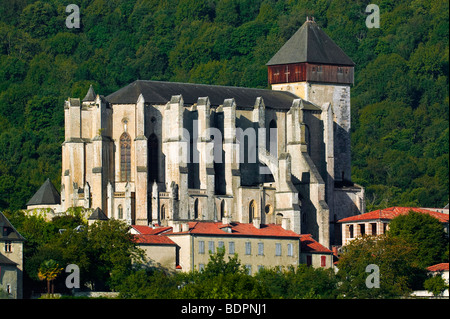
{"type": "Point", "coordinates": [400, 100]}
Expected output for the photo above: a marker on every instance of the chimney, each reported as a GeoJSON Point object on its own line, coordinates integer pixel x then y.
{"type": "Point", "coordinates": [184, 227]}
{"type": "Point", "coordinates": [335, 251]}
{"type": "Point", "coordinates": [257, 222]}
{"type": "Point", "coordinates": [176, 227]}
{"type": "Point", "coordinates": [226, 220]}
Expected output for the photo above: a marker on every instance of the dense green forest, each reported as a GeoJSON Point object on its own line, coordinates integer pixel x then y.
{"type": "Point", "coordinates": [400, 100]}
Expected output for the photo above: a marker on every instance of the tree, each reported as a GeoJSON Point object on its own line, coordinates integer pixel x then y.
{"type": "Point", "coordinates": [49, 270]}
{"type": "Point", "coordinates": [395, 258]}
{"type": "Point", "coordinates": [435, 285]}
{"type": "Point", "coordinates": [424, 232]}
{"type": "Point", "coordinates": [222, 280]}
{"type": "Point", "coordinates": [299, 282]}
{"type": "Point", "coordinates": [114, 251]}
{"type": "Point", "coordinates": [150, 283]}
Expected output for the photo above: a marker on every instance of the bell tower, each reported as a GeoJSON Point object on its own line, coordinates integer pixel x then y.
{"type": "Point", "coordinates": [314, 68]}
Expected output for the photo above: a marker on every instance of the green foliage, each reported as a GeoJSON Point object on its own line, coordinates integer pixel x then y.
{"type": "Point", "coordinates": [114, 250]}
{"type": "Point", "coordinates": [399, 101]}
{"type": "Point", "coordinates": [435, 285]}
{"type": "Point", "coordinates": [302, 282]}
{"type": "Point", "coordinates": [396, 259]}
{"type": "Point", "coordinates": [149, 283]}
{"type": "Point", "coordinates": [105, 251]}
{"type": "Point", "coordinates": [228, 279]}
{"type": "Point", "coordinates": [222, 280]}
{"type": "Point", "coordinates": [424, 232]}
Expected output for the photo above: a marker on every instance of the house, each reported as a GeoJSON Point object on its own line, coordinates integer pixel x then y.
{"type": "Point", "coordinates": [161, 251]}
{"type": "Point", "coordinates": [314, 254]}
{"type": "Point", "coordinates": [11, 259]}
{"type": "Point", "coordinates": [187, 246]}
{"type": "Point", "coordinates": [376, 222]}
{"type": "Point", "coordinates": [440, 270]}
{"type": "Point", "coordinates": [435, 270]}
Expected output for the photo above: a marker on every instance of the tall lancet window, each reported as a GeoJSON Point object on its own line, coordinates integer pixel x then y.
{"type": "Point", "coordinates": [251, 211]}
{"type": "Point", "coordinates": [272, 139]}
{"type": "Point", "coordinates": [125, 157]}
{"type": "Point", "coordinates": [153, 158]}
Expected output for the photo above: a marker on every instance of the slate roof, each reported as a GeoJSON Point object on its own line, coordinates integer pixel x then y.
{"type": "Point", "coordinates": [46, 195]}
{"type": "Point", "coordinates": [310, 44]}
{"type": "Point", "coordinates": [7, 230]}
{"type": "Point", "coordinates": [6, 261]}
{"type": "Point", "coordinates": [98, 214]}
{"type": "Point", "coordinates": [160, 92]}
{"type": "Point", "coordinates": [392, 212]}
{"type": "Point", "coordinates": [90, 95]}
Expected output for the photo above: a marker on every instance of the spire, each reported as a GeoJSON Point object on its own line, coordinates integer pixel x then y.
{"type": "Point", "coordinates": [90, 96]}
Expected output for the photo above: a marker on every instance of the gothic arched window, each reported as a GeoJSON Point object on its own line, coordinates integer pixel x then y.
{"type": "Point", "coordinates": [196, 208]}
{"type": "Point", "coordinates": [153, 158]}
{"type": "Point", "coordinates": [120, 212]}
{"type": "Point", "coordinates": [308, 139]}
{"type": "Point", "coordinates": [222, 209]}
{"type": "Point", "coordinates": [272, 139]}
{"type": "Point", "coordinates": [163, 212]}
{"type": "Point", "coordinates": [278, 218]}
{"type": "Point", "coordinates": [251, 211]}
{"type": "Point", "coordinates": [125, 157]}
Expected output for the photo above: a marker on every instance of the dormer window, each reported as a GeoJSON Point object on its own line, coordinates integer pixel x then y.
{"type": "Point", "coordinates": [227, 229]}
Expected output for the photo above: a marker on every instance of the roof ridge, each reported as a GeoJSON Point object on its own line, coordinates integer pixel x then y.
{"type": "Point", "coordinates": [208, 85]}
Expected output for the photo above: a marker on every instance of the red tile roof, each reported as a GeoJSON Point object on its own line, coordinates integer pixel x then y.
{"type": "Point", "coordinates": [159, 235]}
{"type": "Point", "coordinates": [153, 239]}
{"type": "Point", "coordinates": [308, 244]}
{"type": "Point", "coordinates": [242, 229]}
{"type": "Point", "coordinates": [392, 212]}
{"type": "Point", "coordinates": [147, 230]}
{"type": "Point", "coordinates": [438, 267]}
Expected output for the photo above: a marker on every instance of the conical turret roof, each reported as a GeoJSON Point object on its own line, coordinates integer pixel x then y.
{"type": "Point", "coordinates": [46, 195]}
{"type": "Point", "coordinates": [90, 95]}
{"type": "Point", "coordinates": [98, 214]}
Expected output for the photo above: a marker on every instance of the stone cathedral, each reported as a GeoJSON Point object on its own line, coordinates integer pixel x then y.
{"type": "Point", "coordinates": [164, 153]}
